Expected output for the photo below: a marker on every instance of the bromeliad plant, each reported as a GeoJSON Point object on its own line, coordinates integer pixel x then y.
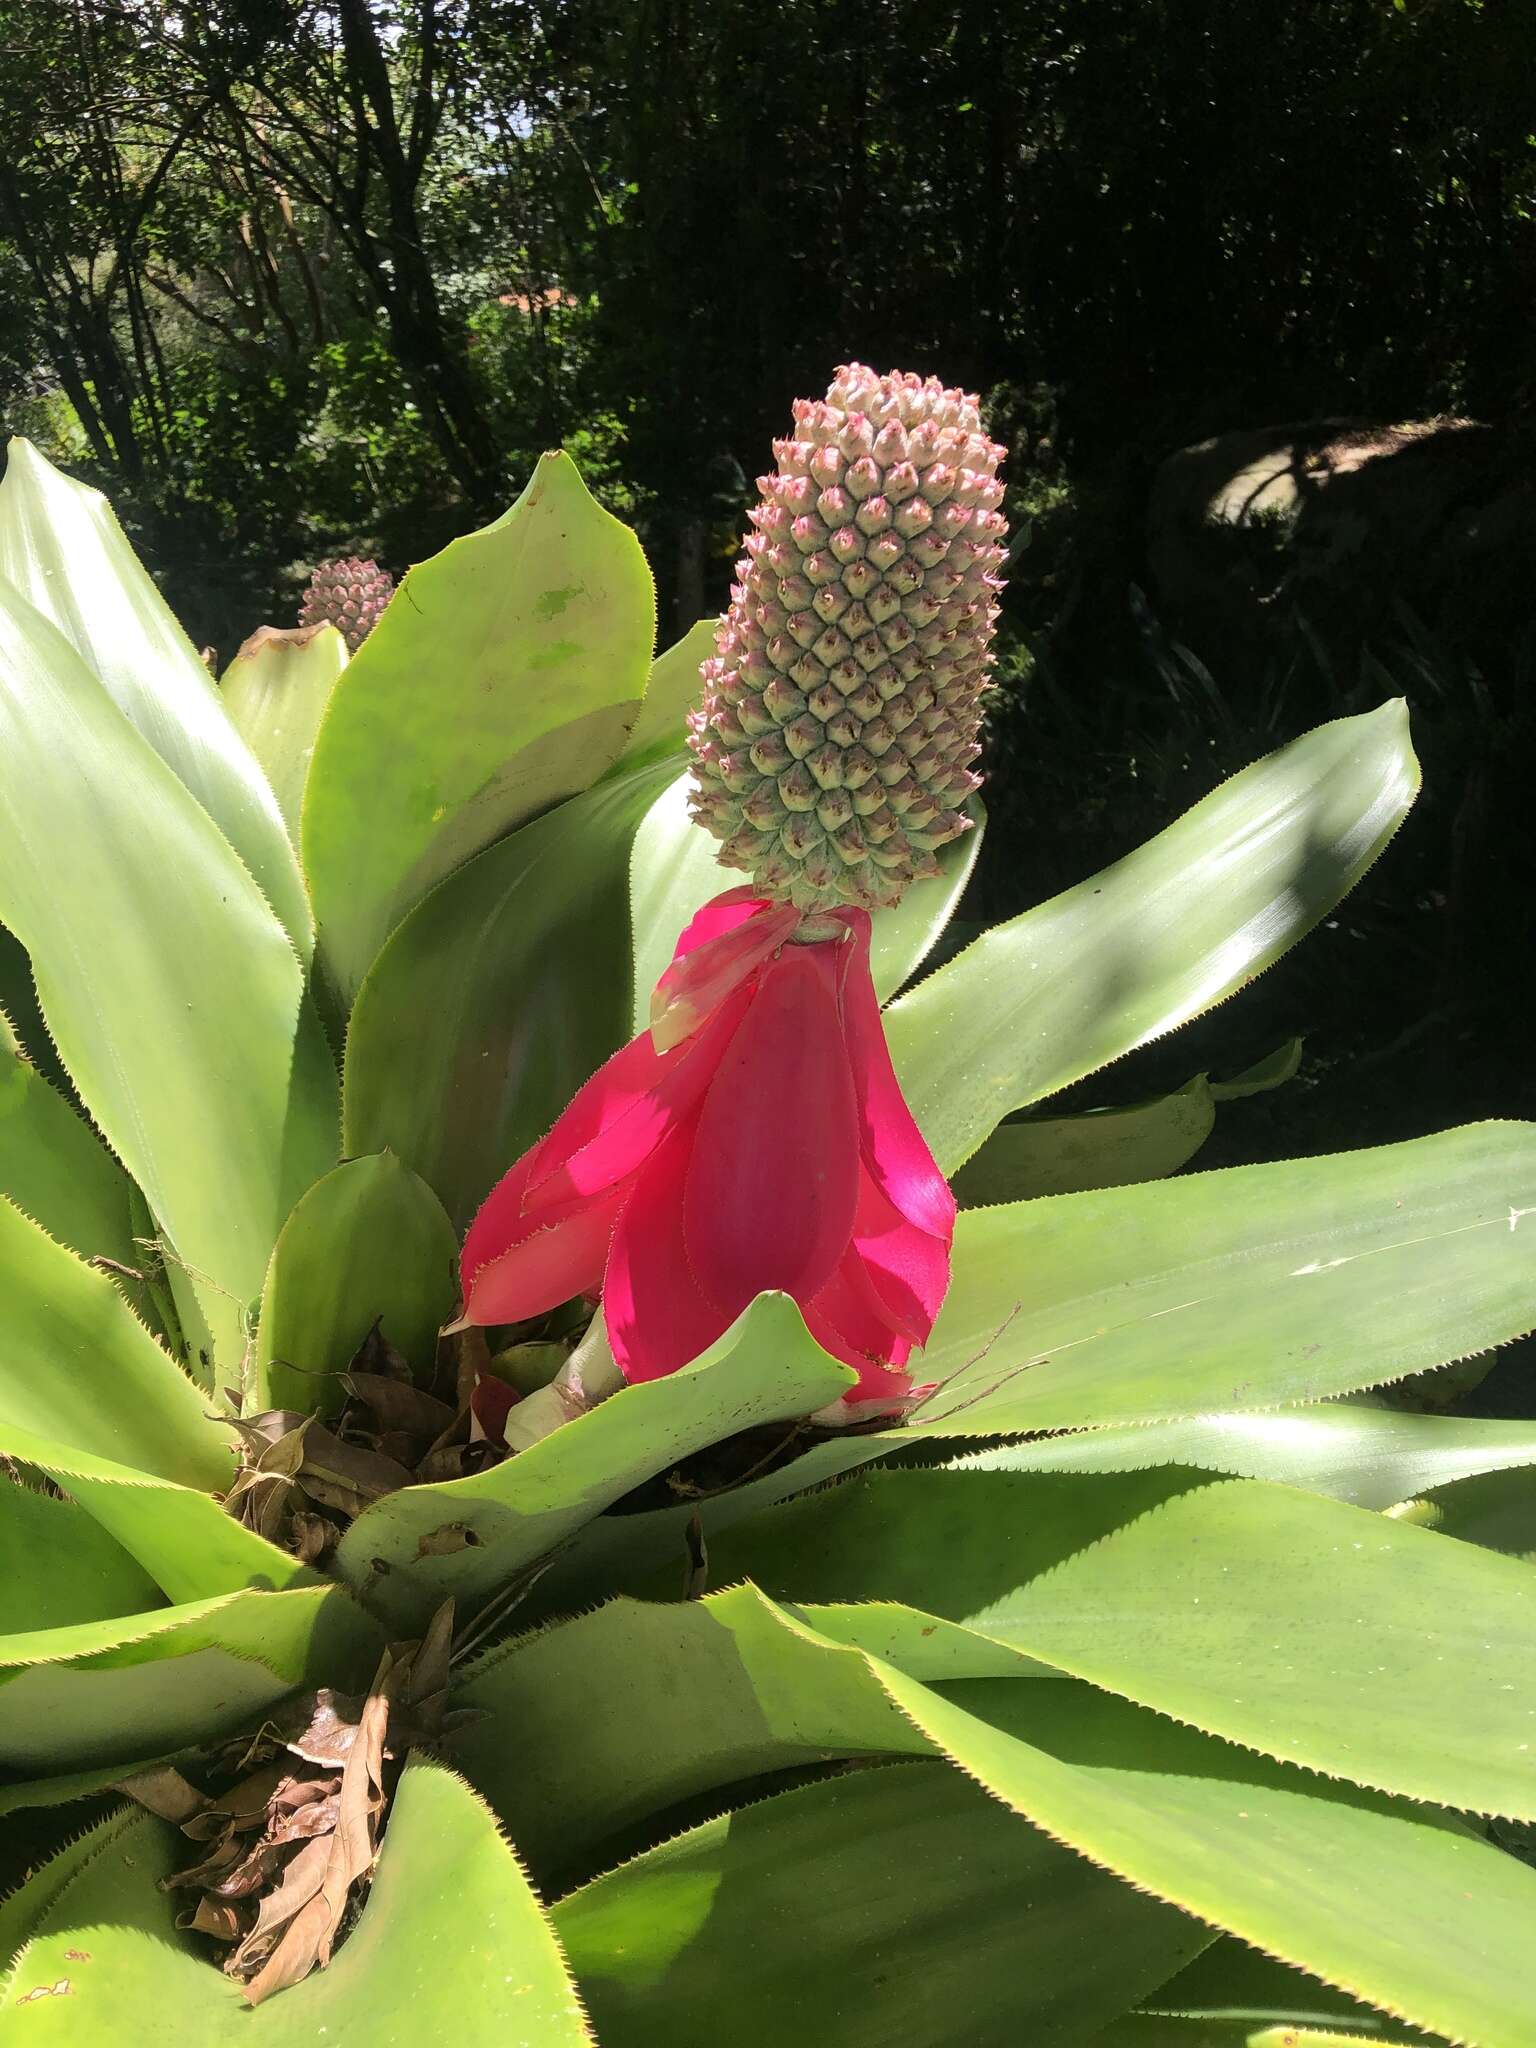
{"type": "Point", "coordinates": [1129, 1685]}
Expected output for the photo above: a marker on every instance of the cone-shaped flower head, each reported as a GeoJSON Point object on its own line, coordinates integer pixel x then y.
{"type": "Point", "coordinates": [754, 1138]}
{"type": "Point", "coordinates": [350, 595]}
{"type": "Point", "coordinates": [839, 722]}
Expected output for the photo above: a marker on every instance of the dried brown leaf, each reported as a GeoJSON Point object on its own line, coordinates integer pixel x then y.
{"type": "Point", "coordinates": [346, 1476]}
{"type": "Point", "coordinates": [164, 1792]}
{"type": "Point", "coordinates": [349, 1854]}
{"type": "Point", "coordinates": [221, 1918]}
{"type": "Point", "coordinates": [378, 1356]}
{"type": "Point", "coordinates": [321, 1726]}
{"type": "Point", "coordinates": [398, 1405]}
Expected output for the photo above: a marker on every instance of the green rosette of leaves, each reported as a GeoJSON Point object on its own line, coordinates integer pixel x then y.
{"type": "Point", "coordinates": [1144, 1685]}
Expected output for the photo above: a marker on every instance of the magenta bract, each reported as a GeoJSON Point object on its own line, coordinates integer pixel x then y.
{"type": "Point", "coordinates": [756, 1138]}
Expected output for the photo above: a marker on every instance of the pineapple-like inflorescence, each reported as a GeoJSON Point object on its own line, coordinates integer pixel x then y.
{"type": "Point", "coordinates": [833, 747]}
{"type": "Point", "coordinates": [349, 594]}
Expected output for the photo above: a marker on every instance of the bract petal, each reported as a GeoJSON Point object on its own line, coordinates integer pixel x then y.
{"type": "Point", "coordinates": [894, 1148]}
{"type": "Point", "coordinates": [619, 1117]}
{"type": "Point", "coordinates": [714, 969]}
{"type": "Point", "coordinates": [515, 1266]}
{"type": "Point", "coordinates": [845, 1319]}
{"type": "Point", "coordinates": [773, 1180]}
{"type": "Point", "coordinates": [657, 1315]}
{"type": "Point", "coordinates": [721, 913]}
{"type": "Point", "coordinates": [908, 1269]}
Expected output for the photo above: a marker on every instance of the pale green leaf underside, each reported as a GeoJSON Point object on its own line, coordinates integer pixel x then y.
{"type": "Point", "coordinates": [522, 950]}
{"type": "Point", "coordinates": [1255, 1287]}
{"type": "Point", "coordinates": [171, 990]}
{"type": "Point", "coordinates": [149, 1684]}
{"type": "Point", "coordinates": [673, 872]}
{"type": "Point", "coordinates": [793, 1920]}
{"type": "Point", "coordinates": [503, 677]}
{"type": "Point", "coordinates": [62, 548]}
{"type": "Point", "coordinates": [452, 1947]}
{"type": "Point", "coordinates": [766, 1368]}
{"type": "Point", "coordinates": [1154, 940]}
{"type": "Point", "coordinates": [368, 1243]}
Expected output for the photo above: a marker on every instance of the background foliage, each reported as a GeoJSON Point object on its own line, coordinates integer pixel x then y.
{"type": "Point", "coordinates": [293, 279]}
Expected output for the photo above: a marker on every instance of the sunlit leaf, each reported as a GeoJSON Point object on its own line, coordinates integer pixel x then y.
{"type": "Point", "coordinates": [61, 1566]}
{"type": "Point", "coordinates": [504, 675]}
{"type": "Point", "coordinates": [467, 1537]}
{"type": "Point", "coordinates": [63, 550]}
{"type": "Point", "coordinates": [171, 990]}
{"type": "Point", "coordinates": [148, 1684]}
{"type": "Point", "coordinates": [1156, 939]}
{"type": "Point", "coordinates": [276, 690]}
{"type": "Point", "coordinates": [1250, 1288]}
{"type": "Point", "coordinates": [452, 1946]}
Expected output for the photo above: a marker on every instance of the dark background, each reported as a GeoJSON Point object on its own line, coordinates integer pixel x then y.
{"type": "Point", "coordinates": [290, 281]}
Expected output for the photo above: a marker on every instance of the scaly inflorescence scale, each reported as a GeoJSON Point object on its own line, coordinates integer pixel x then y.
{"type": "Point", "coordinates": [840, 715]}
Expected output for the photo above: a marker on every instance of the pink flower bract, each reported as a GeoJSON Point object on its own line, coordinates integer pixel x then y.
{"type": "Point", "coordinates": [755, 1138]}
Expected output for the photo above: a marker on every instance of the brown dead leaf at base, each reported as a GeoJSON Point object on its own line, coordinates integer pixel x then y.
{"type": "Point", "coordinates": [289, 1845]}
{"type": "Point", "coordinates": [302, 1482]}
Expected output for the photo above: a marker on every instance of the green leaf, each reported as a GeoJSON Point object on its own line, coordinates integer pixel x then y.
{"type": "Point", "coordinates": [1396, 1904]}
{"type": "Point", "coordinates": [171, 990]}
{"type": "Point", "coordinates": [792, 1920]}
{"type": "Point", "coordinates": [276, 690]}
{"type": "Point", "coordinates": [503, 677]}
{"type": "Point", "coordinates": [1373, 1457]}
{"type": "Point", "coordinates": [54, 1168]}
{"type": "Point", "coordinates": [1230, 1992]}
{"type": "Point", "coordinates": [182, 1537]}
{"type": "Point", "coordinates": [468, 1537]}
{"type": "Point", "coordinates": [23, 1030]}
{"type": "Point", "coordinates": [452, 1946]}
{"type": "Point", "coordinates": [671, 691]}
{"type": "Point", "coordinates": [1382, 1898]}
{"type": "Point", "coordinates": [1102, 1148]}
{"type": "Point", "coordinates": [523, 951]}
{"type": "Point", "coordinates": [368, 1243]}
{"type": "Point", "coordinates": [1154, 940]}
{"type": "Point", "coordinates": [1494, 1509]}
{"type": "Point", "coordinates": [147, 1684]}
{"type": "Point", "coordinates": [1254, 1287]}
{"type": "Point", "coordinates": [25, 1909]}
{"type": "Point", "coordinates": [61, 1566]}
{"type": "Point", "coordinates": [1107, 1148]}
{"type": "Point", "coordinates": [64, 552]}
{"type": "Point", "coordinates": [634, 1553]}
{"type": "Point", "coordinates": [673, 871]}
{"type": "Point", "coordinates": [1309, 1630]}
{"type": "Point", "coordinates": [622, 1713]}
{"type": "Point", "coordinates": [77, 1367]}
